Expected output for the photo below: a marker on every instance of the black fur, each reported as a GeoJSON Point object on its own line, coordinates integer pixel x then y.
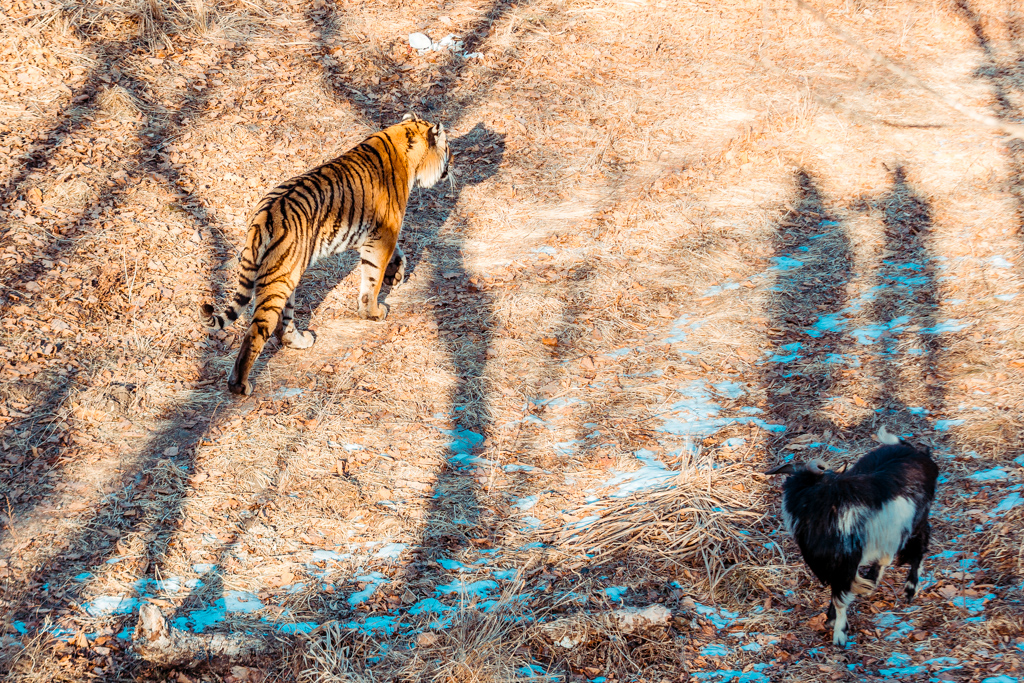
{"type": "Point", "coordinates": [841, 520]}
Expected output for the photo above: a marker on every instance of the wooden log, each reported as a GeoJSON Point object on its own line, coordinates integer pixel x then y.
{"type": "Point", "coordinates": [161, 644]}
{"type": "Point", "coordinates": [568, 632]}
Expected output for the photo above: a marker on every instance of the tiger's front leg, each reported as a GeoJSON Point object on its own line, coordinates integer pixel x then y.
{"type": "Point", "coordinates": [374, 259]}
{"type": "Point", "coordinates": [395, 274]}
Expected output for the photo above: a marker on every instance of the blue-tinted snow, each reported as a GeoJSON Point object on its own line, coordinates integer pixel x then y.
{"type": "Point", "coordinates": [790, 355]}
{"type": "Point", "coordinates": [1008, 503]}
{"type": "Point", "coordinates": [734, 442]}
{"type": "Point", "coordinates": [784, 263]}
{"type": "Point", "coordinates": [715, 650]}
{"type": "Point", "coordinates": [461, 446]}
{"type": "Point", "coordinates": [719, 617]}
{"type": "Point", "coordinates": [615, 593]}
{"type": "Point", "coordinates": [994, 474]}
{"type": "Point", "coordinates": [869, 334]}
{"type": "Point", "coordinates": [999, 262]}
{"type": "Point", "coordinates": [1006, 297]}
{"type": "Point", "coordinates": [698, 416]}
{"type": "Point", "coordinates": [943, 425]}
{"type": "Point", "coordinates": [391, 551]}
{"type": "Point", "coordinates": [730, 676]}
{"type": "Point", "coordinates": [653, 473]}
{"type": "Point", "coordinates": [373, 624]}
{"type": "Point", "coordinates": [450, 565]}
{"type": "Point", "coordinates": [373, 580]}
{"type": "Point", "coordinates": [730, 389]}
{"type": "Point", "coordinates": [718, 289]}
{"type": "Point", "coordinates": [479, 589]}
{"type": "Point", "coordinates": [973, 605]}
{"type": "Point", "coordinates": [107, 605]}
{"type": "Point", "coordinates": [831, 322]}
{"type": "Point", "coordinates": [527, 502]}
{"type": "Point", "coordinates": [947, 326]}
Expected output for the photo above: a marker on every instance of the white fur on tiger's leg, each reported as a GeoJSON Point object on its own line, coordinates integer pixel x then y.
{"type": "Point", "coordinates": [373, 258]}
{"type": "Point", "coordinates": [394, 276]}
{"type": "Point", "coordinates": [289, 335]}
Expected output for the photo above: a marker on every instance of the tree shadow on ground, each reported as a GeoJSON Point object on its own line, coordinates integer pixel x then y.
{"type": "Point", "coordinates": [146, 508]}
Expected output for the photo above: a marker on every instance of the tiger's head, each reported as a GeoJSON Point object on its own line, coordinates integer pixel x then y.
{"type": "Point", "coordinates": [434, 157]}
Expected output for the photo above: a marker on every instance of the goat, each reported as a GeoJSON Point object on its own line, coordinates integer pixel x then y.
{"type": "Point", "coordinates": [866, 516]}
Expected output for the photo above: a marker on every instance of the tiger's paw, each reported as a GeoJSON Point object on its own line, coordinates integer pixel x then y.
{"type": "Point", "coordinates": [298, 340]}
{"type": "Point", "coordinates": [381, 316]}
{"type": "Point", "coordinates": [395, 274]}
{"type": "Point", "coordinates": [207, 314]}
{"type": "Point", "coordinates": [243, 388]}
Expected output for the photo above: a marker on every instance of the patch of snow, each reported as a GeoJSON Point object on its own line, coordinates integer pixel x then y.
{"type": "Point", "coordinates": [718, 289]}
{"type": "Point", "coordinates": [784, 263]}
{"type": "Point", "coordinates": [720, 618]}
{"type": "Point", "coordinates": [653, 473]}
{"type": "Point", "coordinates": [944, 425]}
{"type": "Point", "coordinates": [831, 322]}
{"type": "Point", "coordinates": [391, 551]}
{"type": "Point", "coordinates": [615, 593]}
{"type": "Point", "coordinates": [288, 392]}
{"type": "Point", "coordinates": [715, 650]}
{"type": "Point", "coordinates": [527, 502]}
{"type": "Point", "coordinates": [994, 474]}
{"type": "Point", "coordinates": [947, 326]}
{"type": "Point", "coordinates": [730, 389]}
{"type": "Point", "coordinates": [479, 589]}
{"type": "Point", "coordinates": [109, 605]}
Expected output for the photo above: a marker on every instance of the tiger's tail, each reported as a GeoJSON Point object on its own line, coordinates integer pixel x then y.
{"type": "Point", "coordinates": [248, 266]}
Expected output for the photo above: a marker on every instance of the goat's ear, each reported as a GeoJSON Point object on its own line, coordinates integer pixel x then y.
{"type": "Point", "coordinates": [787, 468]}
{"type": "Point", "coordinates": [843, 468]}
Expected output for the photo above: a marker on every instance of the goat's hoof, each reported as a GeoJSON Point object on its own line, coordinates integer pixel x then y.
{"type": "Point", "coordinates": [839, 638]}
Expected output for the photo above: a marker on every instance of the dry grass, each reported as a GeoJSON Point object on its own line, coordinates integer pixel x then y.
{"type": "Point", "coordinates": [634, 182]}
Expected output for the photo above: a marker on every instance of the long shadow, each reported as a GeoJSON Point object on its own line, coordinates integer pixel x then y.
{"type": "Point", "coordinates": [907, 294]}
{"type": "Point", "coordinates": [812, 265]}
{"type": "Point", "coordinates": [462, 311]}
{"type": "Point", "coordinates": [185, 429]}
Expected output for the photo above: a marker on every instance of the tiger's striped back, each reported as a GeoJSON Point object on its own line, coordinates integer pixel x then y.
{"type": "Point", "coordinates": [355, 201]}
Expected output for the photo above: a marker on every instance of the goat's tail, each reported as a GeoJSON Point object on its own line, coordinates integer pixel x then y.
{"type": "Point", "coordinates": [885, 437]}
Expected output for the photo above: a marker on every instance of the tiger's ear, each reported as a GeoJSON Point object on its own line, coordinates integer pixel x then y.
{"type": "Point", "coordinates": [411, 117]}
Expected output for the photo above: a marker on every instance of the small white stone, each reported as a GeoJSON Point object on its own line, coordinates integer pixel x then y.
{"type": "Point", "coordinates": [419, 41]}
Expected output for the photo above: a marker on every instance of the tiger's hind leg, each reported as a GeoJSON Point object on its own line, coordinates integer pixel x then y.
{"type": "Point", "coordinates": [289, 335]}
{"type": "Point", "coordinates": [394, 276]}
{"type": "Point", "coordinates": [270, 304]}
{"type": "Point", "coordinates": [374, 259]}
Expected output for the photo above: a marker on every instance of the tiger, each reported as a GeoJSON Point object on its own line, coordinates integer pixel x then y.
{"type": "Point", "coordinates": [357, 201]}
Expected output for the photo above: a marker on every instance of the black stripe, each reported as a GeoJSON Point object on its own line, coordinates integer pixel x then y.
{"type": "Point", "coordinates": [365, 262]}
{"type": "Point", "coordinates": [231, 315]}
{"type": "Point", "coordinates": [242, 300]}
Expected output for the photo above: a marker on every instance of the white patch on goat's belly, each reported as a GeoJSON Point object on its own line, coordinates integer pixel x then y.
{"type": "Point", "coordinates": [886, 530]}
{"type": "Point", "coordinates": [850, 519]}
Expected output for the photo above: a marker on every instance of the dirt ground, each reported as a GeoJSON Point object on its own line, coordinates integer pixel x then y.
{"type": "Point", "coordinates": [686, 241]}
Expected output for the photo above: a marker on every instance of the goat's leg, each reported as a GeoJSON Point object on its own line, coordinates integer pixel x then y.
{"type": "Point", "coordinates": [912, 553]}
{"type": "Point", "coordinates": [841, 599]}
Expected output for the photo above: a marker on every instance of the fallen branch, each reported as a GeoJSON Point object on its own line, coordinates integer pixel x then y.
{"type": "Point", "coordinates": [1012, 129]}
{"type": "Point", "coordinates": [161, 644]}
{"type": "Point", "coordinates": [568, 632]}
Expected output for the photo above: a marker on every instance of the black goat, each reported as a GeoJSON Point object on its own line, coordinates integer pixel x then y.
{"type": "Point", "coordinates": [867, 516]}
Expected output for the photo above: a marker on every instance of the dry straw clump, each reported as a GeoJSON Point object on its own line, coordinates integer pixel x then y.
{"type": "Point", "coordinates": [700, 520]}
{"type": "Point", "coordinates": [477, 647]}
